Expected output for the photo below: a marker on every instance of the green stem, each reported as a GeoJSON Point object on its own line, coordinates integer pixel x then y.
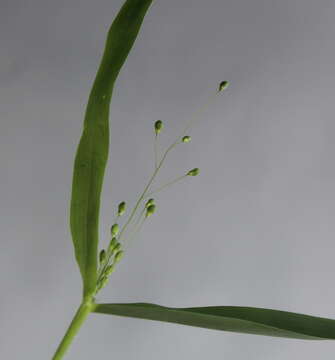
{"type": "Point", "coordinates": [147, 187]}
{"type": "Point", "coordinates": [166, 185]}
{"type": "Point", "coordinates": [84, 309]}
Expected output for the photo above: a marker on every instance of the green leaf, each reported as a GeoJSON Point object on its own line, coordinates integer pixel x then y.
{"type": "Point", "coordinates": [92, 152]}
{"type": "Point", "coordinates": [231, 318]}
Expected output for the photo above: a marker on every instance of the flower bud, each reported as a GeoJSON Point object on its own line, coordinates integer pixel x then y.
{"type": "Point", "coordinates": [158, 126]}
{"type": "Point", "coordinates": [193, 172]}
{"type": "Point", "coordinates": [150, 210]}
{"type": "Point", "coordinates": [102, 256]}
{"type": "Point", "coordinates": [104, 282]}
{"type": "Point", "coordinates": [110, 269]}
{"type": "Point", "coordinates": [121, 208]}
{"type": "Point", "coordinates": [149, 202]}
{"type": "Point", "coordinates": [118, 256]}
{"type": "Point", "coordinates": [112, 244]}
{"type": "Point", "coordinates": [223, 85]}
{"type": "Point", "coordinates": [99, 286]}
{"type": "Point", "coordinates": [186, 139]}
{"type": "Point", "coordinates": [115, 229]}
{"type": "Point", "coordinates": [117, 247]}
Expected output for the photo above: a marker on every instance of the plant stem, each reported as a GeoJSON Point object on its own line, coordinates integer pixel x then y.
{"type": "Point", "coordinates": [166, 185]}
{"type": "Point", "coordinates": [84, 309]}
{"type": "Point", "coordinates": [147, 187]}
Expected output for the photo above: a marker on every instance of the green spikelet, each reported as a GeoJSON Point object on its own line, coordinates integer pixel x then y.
{"type": "Point", "coordinates": [158, 126]}
{"type": "Point", "coordinates": [117, 247]}
{"type": "Point", "coordinates": [193, 172]}
{"type": "Point", "coordinates": [102, 256]}
{"type": "Point", "coordinates": [112, 244]}
{"type": "Point", "coordinates": [104, 281]}
{"type": "Point", "coordinates": [118, 256]}
{"type": "Point", "coordinates": [223, 85]}
{"type": "Point", "coordinates": [150, 210]}
{"type": "Point", "coordinates": [115, 229]}
{"type": "Point", "coordinates": [186, 139]}
{"type": "Point", "coordinates": [110, 269]}
{"type": "Point", "coordinates": [149, 203]}
{"type": "Point", "coordinates": [121, 208]}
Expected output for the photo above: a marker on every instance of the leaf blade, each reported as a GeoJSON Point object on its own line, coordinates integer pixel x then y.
{"type": "Point", "coordinates": [248, 320]}
{"type": "Point", "coordinates": [92, 152]}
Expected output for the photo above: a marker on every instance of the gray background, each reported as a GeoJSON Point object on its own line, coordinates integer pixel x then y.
{"type": "Point", "coordinates": [256, 228]}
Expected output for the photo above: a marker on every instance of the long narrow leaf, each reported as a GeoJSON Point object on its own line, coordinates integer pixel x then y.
{"type": "Point", "coordinates": [231, 318]}
{"type": "Point", "coordinates": [92, 152]}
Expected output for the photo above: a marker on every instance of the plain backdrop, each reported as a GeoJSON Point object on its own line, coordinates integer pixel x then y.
{"type": "Point", "coordinates": [256, 228]}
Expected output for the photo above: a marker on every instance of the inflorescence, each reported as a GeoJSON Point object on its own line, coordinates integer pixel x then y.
{"type": "Point", "coordinates": [108, 258]}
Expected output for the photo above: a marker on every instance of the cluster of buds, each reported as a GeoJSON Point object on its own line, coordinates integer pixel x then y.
{"type": "Point", "coordinates": [114, 253]}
